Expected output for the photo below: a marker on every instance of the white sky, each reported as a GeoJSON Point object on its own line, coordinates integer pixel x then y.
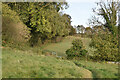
{"type": "Point", "coordinates": [80, 11]}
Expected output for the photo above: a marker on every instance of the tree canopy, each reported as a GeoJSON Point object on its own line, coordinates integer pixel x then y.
{"type": "Point", "coordinates": [45, 19]}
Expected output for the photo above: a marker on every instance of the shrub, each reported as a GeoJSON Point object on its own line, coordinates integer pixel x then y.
{"type": "Point", "coordinates": [13, 30]}
{"type": "Point", "coordinates": [107, 47]}
{"type": "Point", "coordinates": [77, 50]}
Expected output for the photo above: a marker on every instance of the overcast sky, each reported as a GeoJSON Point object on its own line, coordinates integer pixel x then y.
{"type": "Point", "coordinates": [80, 11]}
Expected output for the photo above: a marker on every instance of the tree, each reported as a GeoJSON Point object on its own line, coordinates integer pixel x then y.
{"type": "Point", "coordinates": [99, 29]}
{"type": "Point", "coordinates": [69, 27]}
{"type": "Point", "coordinates": [80, 29]}
{"type": "Point", "coordinates": [106, 47]}
{"type": "Point", "coordinates": [44, 19]}
{"type": "Point", "coordinates": [106, 11]}
{"type": "Point", "coordinates": [105, 39]}
{"type": "Point", "coordinates": [13, 29]}
{"type": "Point", "coordinates": [88, 31]}
{"type": "Point", "coordinates": [77, 50]}
{"type": "Point", "coordinates": [73, 31]}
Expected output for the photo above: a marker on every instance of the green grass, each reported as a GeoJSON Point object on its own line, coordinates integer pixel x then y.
{"type": "Point", "coordinates": [27, 63]}
{"type": "Point", "coordinates": [23, 64]}
{"type": "Point", "coordinates": [99, 70]}
{"type": "Point", "coordinates": [61, 47]}
{"type": "Point", "coordinates": [86, 42]}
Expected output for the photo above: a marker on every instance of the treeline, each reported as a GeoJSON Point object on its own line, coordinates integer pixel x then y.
{"type": "Point", "coordinates": [94, 30]}
{"type": "Point", "coordinates": [44, 20]}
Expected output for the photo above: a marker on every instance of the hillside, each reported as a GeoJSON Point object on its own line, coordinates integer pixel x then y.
{"type": "Point", "coordinates": [39, 41]}
{"type": "Point", "coordinates": [27, 64]}
{"type": "Point", "coordinates": [23, 64]}
{"type": "Point", "coordinates": [61, 47]}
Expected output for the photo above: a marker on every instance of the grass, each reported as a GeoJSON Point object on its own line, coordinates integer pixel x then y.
{"type": "Point", "coordinates": [27, 63]}
{"type": "Point", "coordinates": [21, 64]}
{"type": "Point", "coordinates": [61, 47]}
{"type": "Point", "coordinates": [86, 42]}
{"type": "Point", "coordinates": [99, 70]}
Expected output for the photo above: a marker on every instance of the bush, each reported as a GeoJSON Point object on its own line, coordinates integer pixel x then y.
{"type": "Point", "coordinates": [107, 47]}
{"type": "Point", "coordinates": [77, 50]}
{"type": "Point", "coordinates": [13, 30]}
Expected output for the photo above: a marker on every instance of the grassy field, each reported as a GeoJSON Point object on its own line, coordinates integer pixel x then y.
{"type": "Point", "coordinates": [31, 64]}
{"type": "Point", "coordinates": [99, 70]}
{"type": "Point", "coordinates": [21, 64]}
{"type": "Point", "coordinates": [61, 47]}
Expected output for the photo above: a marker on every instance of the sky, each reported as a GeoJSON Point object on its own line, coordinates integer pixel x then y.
{"type": "Point", "coordinates": [80, 11]}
